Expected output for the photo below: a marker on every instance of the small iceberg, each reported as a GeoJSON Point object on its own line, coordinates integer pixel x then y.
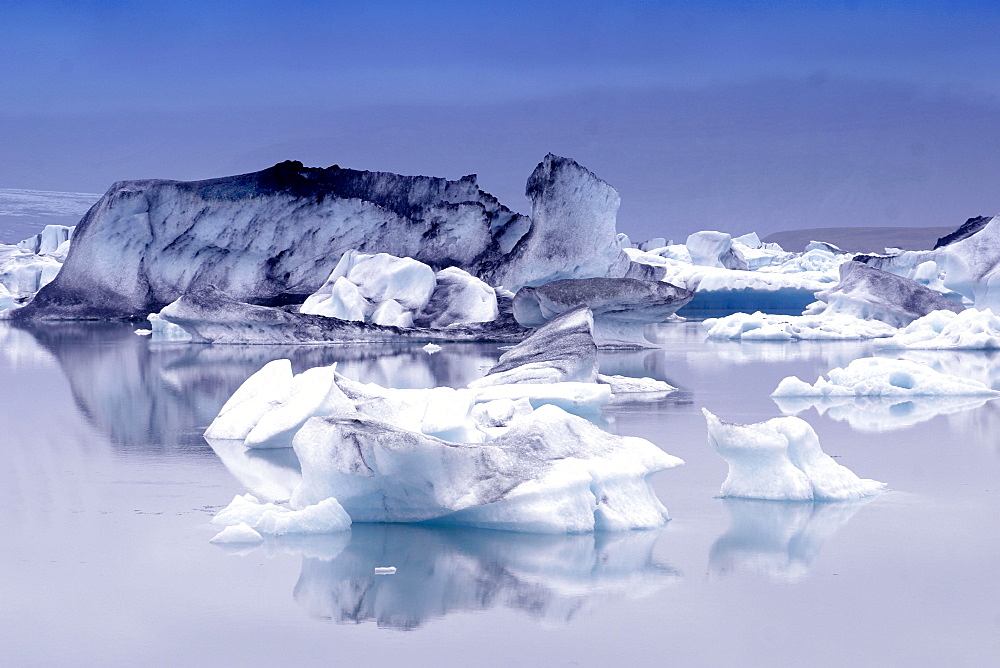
{"type": "Point", "coordinates": [881, 377]}
{"type": "Point", "coordinates": [971, 329]}
{"type": "Point", "coordinates": [246, 516]}
{"type": "Point", "coordinates": [781, 460]}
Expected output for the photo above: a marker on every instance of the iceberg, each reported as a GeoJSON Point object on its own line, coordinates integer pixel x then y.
{"type": "Point", "coordinates": [247, 512]}
{"type": "Point", "coordinates": [23, 273]}
{"type": "Point", "coordinates": [621, 307]}
{"type": "Point", "coordinates": [551, 472]}
{"type": "Point", "coordinates": [714, 249]}
{"type": "Point", "coordinates": [561, 350]}
{"type": "Point", "coordinates": [869, 293]}
{"type": "Point", "coordinates": [401, 292]}
{"type": "Point", "coordinates": [210, 316]}
{"type": "Point", "coordinates": [968, 265]}
{"type": "Point", "coordinates": [274, 236]}
{"type": "Point", "coordinates": [940, 330]}
{"type": "Point", "coordinates": [768, 327]}
{"type": "Point", "coordinates": [49, 241]}
{"type": "Point", "coordinates": [881, 377]}
{"type": "Point", "coordinates": [781, 460]}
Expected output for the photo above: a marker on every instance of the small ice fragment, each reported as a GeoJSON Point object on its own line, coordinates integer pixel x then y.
{"type": "Point", "coordinates": [431, 348]}
{"type": "Point", "coordinates": [385, 570]}
{"type": "Point", "coordinates": [237, 533]}
{"type": "Point", "coordinates": [143, 332]}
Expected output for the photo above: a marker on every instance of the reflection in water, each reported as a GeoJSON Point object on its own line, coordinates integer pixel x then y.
{"type": "Point", "coordinates": [779, 539]}
{"type": "Point", "coordinates": [269, 474]}
{"type": "Point", "coordinates": [878, 414]}
{"type": "Point", "coordinates": [441, 571]}
{"type": "Point", "coordinates": [164, 395]}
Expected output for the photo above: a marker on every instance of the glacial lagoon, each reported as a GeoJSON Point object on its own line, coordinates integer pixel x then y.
{"type": "Point", "coordinates": [109, 488]}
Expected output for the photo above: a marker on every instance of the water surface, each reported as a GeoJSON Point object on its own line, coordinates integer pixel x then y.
{"type": "Point", "coordinates": [108, 489]}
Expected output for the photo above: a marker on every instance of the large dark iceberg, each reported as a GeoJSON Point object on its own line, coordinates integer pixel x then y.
{"type": "Point", "coordinates": [273, 237]}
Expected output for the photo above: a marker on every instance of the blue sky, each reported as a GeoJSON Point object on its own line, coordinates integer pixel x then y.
{"type": "Point", "coordinates": [745, 114]}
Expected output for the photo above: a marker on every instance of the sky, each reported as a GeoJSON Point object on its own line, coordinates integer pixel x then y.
{"type": "Point", "coordinates": [704, 115]}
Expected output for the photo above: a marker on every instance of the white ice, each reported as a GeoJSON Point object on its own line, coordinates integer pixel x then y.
{"type": "Point", "coordinates": [781, 460]}
{"type": "Point", "coordinates": [552, 472]}
{"type": "Point", "coordinates": [324, 516]}
{"type": "Point", "coordinates": [164, 330]}
{"type": "Point", "coordinates": [881, 377]}
{"type": "Point", "coordinates": [970, 329]}
{"type": "Point", "coordinates": [760, 326]}
{"type": "Point", "coordinates": [401, 292]}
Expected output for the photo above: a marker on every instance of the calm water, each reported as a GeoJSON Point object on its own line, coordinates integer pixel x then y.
{"type": "Point", "coordinates": [108, 488]}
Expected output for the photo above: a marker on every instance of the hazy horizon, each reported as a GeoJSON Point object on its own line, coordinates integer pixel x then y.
{"type": "Point", "coordinates": [728, 116]}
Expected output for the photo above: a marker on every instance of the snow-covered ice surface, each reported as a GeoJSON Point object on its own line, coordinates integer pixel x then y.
{"type": "Point", "coordinates": [106, 473]}
{"type": "Point", "coordinates": [781, 460]}
{"type": "Point", "coordinates": [881, 377]}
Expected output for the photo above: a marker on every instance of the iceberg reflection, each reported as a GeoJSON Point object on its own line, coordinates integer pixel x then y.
{"type": "Point", "coordinates": [163, 395]}
{"type": "Point", "coordinates": [880, 414]}
{"type": "Point", "coordinates": [444, 570]}
{"type": "Point", "coordinates": [779, 539]}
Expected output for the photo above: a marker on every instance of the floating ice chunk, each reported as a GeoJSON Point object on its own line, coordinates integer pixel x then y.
{"type": "Point", "coordinates": [237, 533]}
{"type": "Point", "coordinates": [431, 348]}
{"type": "Point", "coordinates": [781, 460]}
{"type": "Point", "coordinates": [714, 249]}
{"type": "Point", "coordinates": [23, 273]}
{"type": "Point", "coordinates": [324, 516]}
{"type": "Point", "coordinates": [385, 570]}
{"type": "Point", "coordinates": [459, 298]}
{"type": "Point", "coordinates": [869, 293]}
{"type": "Point", "coordinates": [164, 330]}
{"type": "Point", "coordinates": [550, 473]}
{"type": "Point", "coordinates": [312, 392]}
{"type": "Point", "coordinates": [730, 291]}
{"type": "Point", "coordinates": [49, 240]}
{"type": "Point", "coordinates": [621, 307]}
{"type": "Point", "coordinates": [880, 377]}
{"type": "Point", "coordinates": [143, 332]}
{"type": "Point", "coordinates": [561, 350]}
{"type": "Point", "coordinates": [401, 292]}
{"type": "Point", "coordinates": [970, 329]}
{"type": "Point", "coordinates": [626, 384]}
{"type": "Point", "coordinates": [264, 390]}
{"type": "Point", "coordinates": [767, 327]}
{"type": "Point", "coordinates": [7, 300]}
